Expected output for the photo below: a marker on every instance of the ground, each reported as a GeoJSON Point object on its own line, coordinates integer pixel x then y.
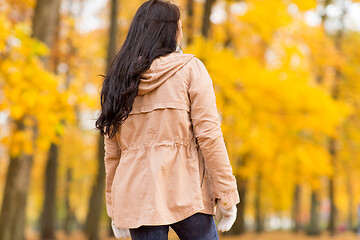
{"type": "Point", "coordinates": [247, 236]}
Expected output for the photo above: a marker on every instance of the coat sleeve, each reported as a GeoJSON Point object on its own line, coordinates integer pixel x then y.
{"type": "Point", "coordinates": [207, 129]}
{"type": "Point", "coordinates": [111, 160]}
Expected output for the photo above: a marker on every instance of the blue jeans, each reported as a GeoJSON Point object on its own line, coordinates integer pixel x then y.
{"type": "Point", "coordinates": [199, 226]}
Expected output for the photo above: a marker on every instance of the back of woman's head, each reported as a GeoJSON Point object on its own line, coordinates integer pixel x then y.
{"type": "Point", "coordinates": [153, 32]}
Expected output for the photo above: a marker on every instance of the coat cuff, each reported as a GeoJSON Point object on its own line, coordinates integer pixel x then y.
{"type": "Point", "coordinates": [229, 199]}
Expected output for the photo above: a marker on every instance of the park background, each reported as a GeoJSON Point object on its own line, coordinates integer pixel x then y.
{"type": "Point", "coordinates": [287, 79]}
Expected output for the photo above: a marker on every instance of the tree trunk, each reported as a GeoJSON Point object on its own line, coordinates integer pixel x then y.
{"type": "Point", "coordinates": [110, 56]}
{"type": "Point", "coordinates": [296, 208]}
{"type": "Point", "coordinates": [229, 37]}
{"type": "Point", "coordinates": [314, 228]}
{"type": "Point", "coordinates": [69, 217]}
{"type": "Point", "coordinates": [333, 141]}
{"type": "Point", "coordinates": [331, 224]}
{"type": "Point", "coordinates": [70, 222]}
{"type": "Point", "coordinates": [48, 11]}
{"type": "Point", "coordinates": [112, 32]}
{"type": "Point", "coordinates": [241, 207]}
{"type": "Point", "coordinates": [350, 212]}
{"type": "Point", "coordinates": [206, 18]}
{"type": "Point", "coordinates": [49, 207]}
{"type": "Point", "coordinates": [239, 225]}
{"type": "Point", "coordinates": [96, 200]}
{"type": "Point", "coordinates": [350, 200]}
{"type": "Point", "coordinates": [13, 217]}
{"type": "Point", "coordinates": [258, 216]}
{"type": "Point", "coordinates": [190, 21]}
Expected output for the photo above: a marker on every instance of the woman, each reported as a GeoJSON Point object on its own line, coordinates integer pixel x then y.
{"type": "Point", "coordinates": [165, 158]}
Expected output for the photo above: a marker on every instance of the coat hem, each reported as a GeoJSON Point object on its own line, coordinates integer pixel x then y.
{"type": "Point", "coordinates": [130, 225]}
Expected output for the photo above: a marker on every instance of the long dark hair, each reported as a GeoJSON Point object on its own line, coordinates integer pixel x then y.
{"type": "Point", "coordinates": [152, 34]}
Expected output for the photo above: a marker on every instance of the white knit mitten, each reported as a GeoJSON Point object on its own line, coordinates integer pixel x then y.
{"type": "Point", "coordinates": [120, 232]}
{"type": "Point", "coordinates": [225, 216]}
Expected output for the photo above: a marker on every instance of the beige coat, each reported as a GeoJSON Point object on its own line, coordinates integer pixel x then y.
{"type": "Point", "coordinates": [169, 160]}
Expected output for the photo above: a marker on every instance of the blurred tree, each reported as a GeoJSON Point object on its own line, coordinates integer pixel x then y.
{"type": "Point", "coordinates": [97, 196]}
{"type": "Point", "coordinates": [190, 21]}
{"type": "Point", "coordinates": [259, 119]}
{"type": "Point", "coordinates": [206, 24]}
{"type": "Point", "coordinates": [333, 141]}
{"type": "Point", "coordinates": [49, 12]}
{"type": "Point", "coordinates": [257, 203]}
{"type": "Point", "coordinates": [314, 228]}
{"type": "Point", "coordinates": [66, 28]}
{"type": "Point", "coordinates": [16, 189]}
{"type": "Point", "coordinates": [12, 220]}
{"type": "Point", "coordinates": [296, 208]}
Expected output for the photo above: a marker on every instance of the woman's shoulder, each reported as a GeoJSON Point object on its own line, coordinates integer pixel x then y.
{"type": "Point", "coordinates": [195, 66]}
{"type": "Point", "coordinates": [192, 58]}
{"type": "Point", "coordinates": [191, 64]}
{"type": "Point", "coordinates": [174, 58]}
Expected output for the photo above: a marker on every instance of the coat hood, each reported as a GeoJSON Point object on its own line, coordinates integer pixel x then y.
{"type": "Point", "coordinates": [161, 69]}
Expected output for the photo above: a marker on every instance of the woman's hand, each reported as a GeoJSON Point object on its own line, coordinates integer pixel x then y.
{"type": "Point", "coordinates": [120, 232]}
{"type": "Point", "coordinates": [225, 216]}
